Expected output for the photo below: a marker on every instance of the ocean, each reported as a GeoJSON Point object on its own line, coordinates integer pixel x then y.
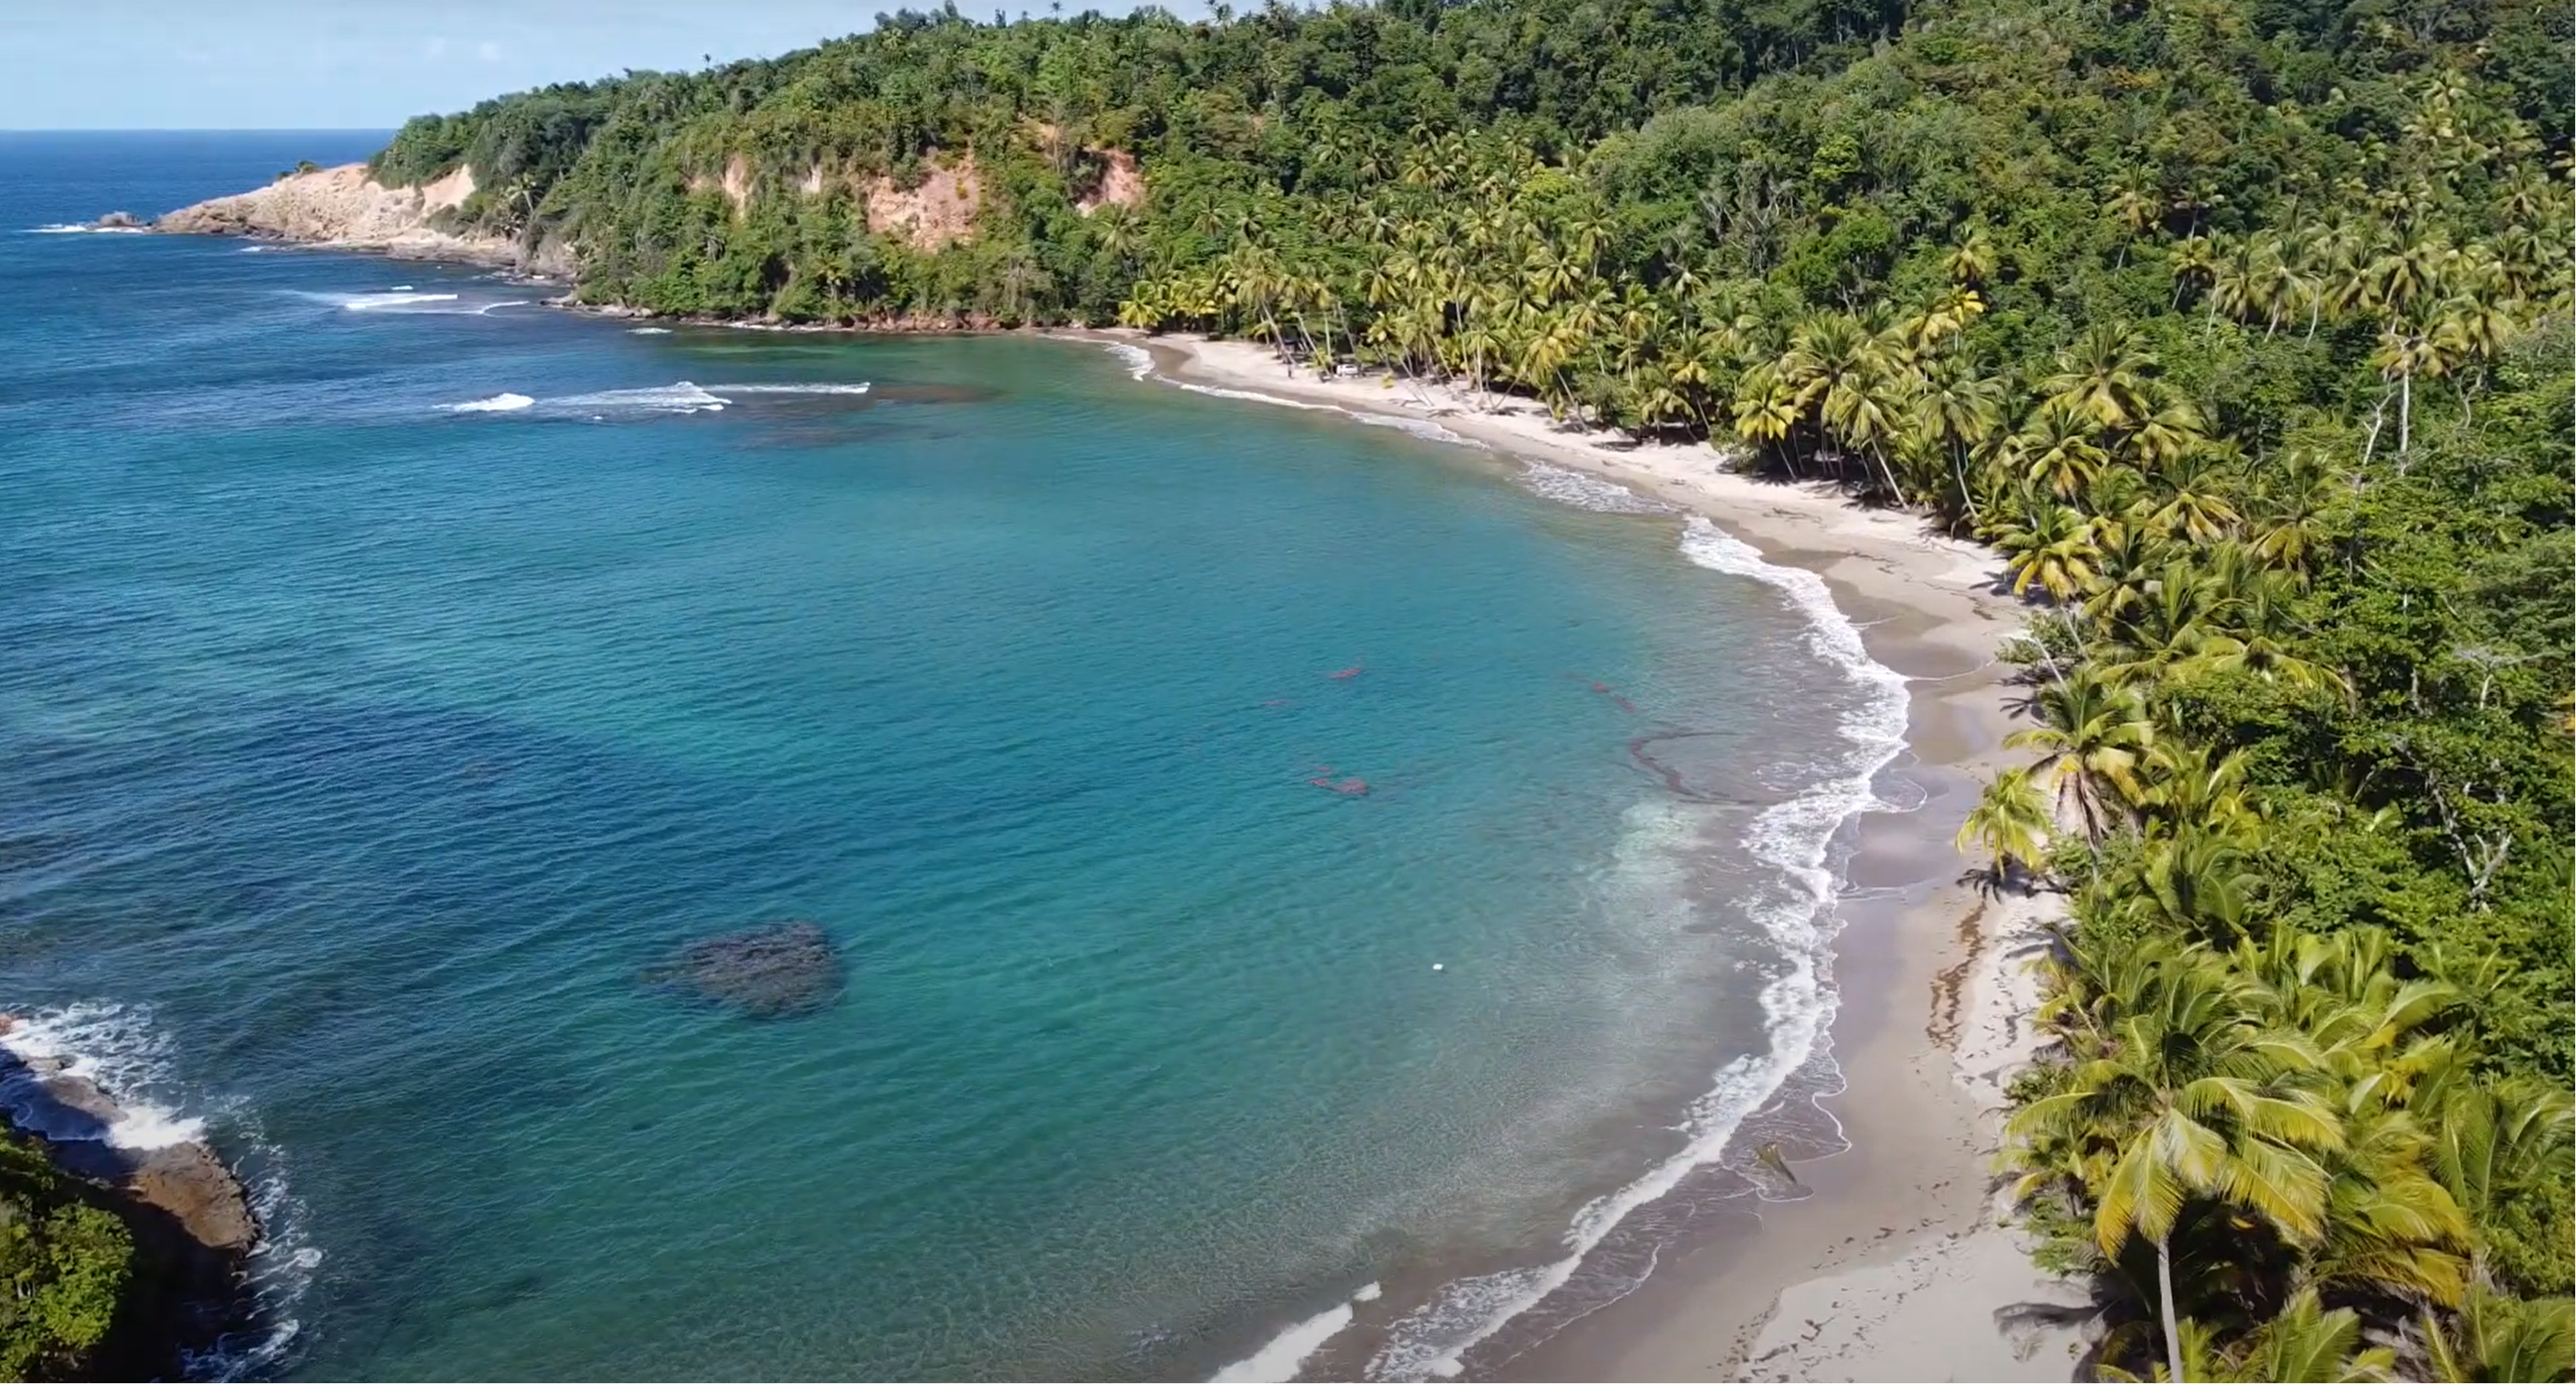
{"type": "Point", "coordinates": [1297, 885]}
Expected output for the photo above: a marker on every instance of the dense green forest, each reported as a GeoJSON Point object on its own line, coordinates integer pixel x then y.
{"type": "Point", "coordinates": [2243, 327]}
{"type": "Point", "coordinates": [64, 1266]}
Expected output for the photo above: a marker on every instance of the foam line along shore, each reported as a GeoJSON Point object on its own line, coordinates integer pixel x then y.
{"type": "Point", "coordinates": [1900, 1252]}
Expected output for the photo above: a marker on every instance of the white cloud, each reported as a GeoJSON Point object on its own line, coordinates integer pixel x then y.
{"type": "Point", "coordinates": [488, 51]}
{"type": "Point", "coordinates": [436, 49]}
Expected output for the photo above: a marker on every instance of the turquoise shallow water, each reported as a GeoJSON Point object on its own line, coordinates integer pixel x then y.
{"type": "Point", "coordinates": [365, 748]}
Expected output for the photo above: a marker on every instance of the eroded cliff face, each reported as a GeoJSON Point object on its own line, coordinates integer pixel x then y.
{"type": "Point", "coordinates": [343, 207]}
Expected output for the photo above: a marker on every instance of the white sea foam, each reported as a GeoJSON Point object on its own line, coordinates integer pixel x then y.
{"type": "Point", "coordinates": [405, 301]}
{"type": "Point", "coordinates": [648, 331]}
{"type": "Point", "coordinates": [118, 1049]}
{"type": "Point", "coordinates": [1287, 1352]}
{"type": "Point", "coordinates": [498, 403]}
{"type": "Point", "coordinates": [66, 228]}
{"type": "Point", "coordinates": [111, 1048]}
{"type": "Point", "coordinates": [1256, 396]}
{"type": "Point", "coordinates": [1139, 361]}
{"type": "Point", "coordinates": [378, 302]}
{"type": "Point", "coordinates": [1798, 1005]}
{"type": "Point", "coordinates": [681, 397]}
{"type": "Point", "coordinates": [1583, 490]}
{"type": "Point", "coordinates": [1422, 428]}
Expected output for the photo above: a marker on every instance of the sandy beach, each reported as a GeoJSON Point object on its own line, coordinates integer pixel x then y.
{"type": "Point", "coordinates": [1897, 1264]}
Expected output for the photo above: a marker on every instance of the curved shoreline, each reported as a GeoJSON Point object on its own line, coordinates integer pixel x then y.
{"type": "Point", "coordinates": [1906, 1204]}
{"type": "Point", "coordinates": [1898, 1265]}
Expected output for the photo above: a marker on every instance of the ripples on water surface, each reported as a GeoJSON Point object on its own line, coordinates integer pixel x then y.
{"type": "Point", "coordinates": [395, 669]}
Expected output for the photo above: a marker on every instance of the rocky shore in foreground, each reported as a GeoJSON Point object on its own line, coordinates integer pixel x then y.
{"type": "Point", "coordinates": [190, 1217]}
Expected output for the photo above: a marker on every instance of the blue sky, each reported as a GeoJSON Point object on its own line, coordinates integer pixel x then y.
{"type": "Point", "coordinates": [368, 64]}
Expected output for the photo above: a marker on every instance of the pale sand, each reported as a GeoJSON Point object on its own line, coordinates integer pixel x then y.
{"type": "Point", "coordinates": [1898, 1266]}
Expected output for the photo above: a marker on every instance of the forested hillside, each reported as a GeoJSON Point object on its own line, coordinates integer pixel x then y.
{"type": "Point", "coordinates": [2242, 326]}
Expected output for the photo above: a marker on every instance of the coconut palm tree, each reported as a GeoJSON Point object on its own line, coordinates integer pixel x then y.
{"type": "Point", "coordinates": [2052, 548]}
{"type": "Point", "coordinates": [2304, 1342]}
{"type": "Point", "coordinates": [1973, 260]}
{"type": "Point", "coordinates": [2189, 503]}
{"type": "Point", "coordinates": [2010, 823]}
{"type": "Point", "coordinates": [2058, 450]}
{"type": "Point", "coordinates": [2177, 1094]}
{"type": "Point", "coordinates": [2195, 882]}
{"type": "Point", "coordinates": [1960, 410]}
{"type": "Point", "coordinates": [2495, 1337]}
{"type": "Point", "coordinates": [2093, 737]}
{"type": "Point", "coordinates": [2186, 784]}
{"type": "Point", "coordinates": [2102, 378]}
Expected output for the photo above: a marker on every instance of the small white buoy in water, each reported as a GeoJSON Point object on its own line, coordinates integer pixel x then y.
{"type": "Point", "coordinates": [1435, 965]}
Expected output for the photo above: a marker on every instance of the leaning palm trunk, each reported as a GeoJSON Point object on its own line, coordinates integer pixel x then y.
{"type": "Point", "coordinates": [1959, 468]}
{"type": "Point", "coordinates": [1894, 491]}
{"type": "Point", "coordinates": [2165, 1307]}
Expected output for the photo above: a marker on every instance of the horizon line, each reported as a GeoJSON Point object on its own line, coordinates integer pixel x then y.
{"type": "Point", "coordinates": [197, 129]}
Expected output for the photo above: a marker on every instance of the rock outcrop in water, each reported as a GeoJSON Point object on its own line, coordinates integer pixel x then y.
{"type": "Point", "coordinates": [345, 209]}
{"type": "Point", "coordinates": [768, 972]}
{"type": "Point", "coordinates": [191, 1221]}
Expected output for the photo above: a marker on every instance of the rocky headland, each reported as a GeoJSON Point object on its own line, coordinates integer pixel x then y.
{"type": "Point", "coordinates": [190, 1218]}
{"type": "Point", "coordinates": [345, 209]}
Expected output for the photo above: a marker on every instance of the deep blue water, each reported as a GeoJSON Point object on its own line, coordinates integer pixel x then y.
{"type": "Point", "coordinates": [362, 751]}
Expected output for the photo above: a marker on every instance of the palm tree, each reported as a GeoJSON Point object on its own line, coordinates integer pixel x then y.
{"type": "Point", "coordinates": [2408, 349]}
{"type": "Point", "coordinates": [2101, 378]}
{"type": "Point", "coordinates": [2090, 746]}
{"type": "Point", "coordinates": [2498, 1141]}
{"type": "Point", "coordinates": [2057, 449]}
{"type": "Point", "coordinates": [2051, 549]}
{"type": "Point", "coordinates": [2194, 259]}
{"type": "Point", "coordinates": [2126, 563]}
{"type": "Point", "coordinates": [1846, 374]}
{"type": "Point", "coordinates": [1973, 260]}
{"type": "Point", "coordinates": [2176, 1093]}
{"type": "Point", "coordinates": [1961, 410]}
{"type": "Point", "coordinates": [2186, 784]}
{"type": "Point", "coordinates": [2304, 1342]}
{"type": "Point", "coordinates": [2295, 492]}
{"type": "Point", "coordinates": [2194, 882]}
{"type": "Point", "coordinates": [2092, 740]}
{"type": "Point", "coordinates": [2010, 823]}
{"type": "Point", "coordinates": [2494, 1337]}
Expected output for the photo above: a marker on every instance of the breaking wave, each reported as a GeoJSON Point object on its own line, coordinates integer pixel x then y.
{"type": "Point", "coordinates": [680, 397]}
{"type": "Point", "coordinates": [1583, 490]}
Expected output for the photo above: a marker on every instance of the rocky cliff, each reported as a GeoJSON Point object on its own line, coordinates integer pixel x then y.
{"type": "Point", "coordinates": [344, 208]}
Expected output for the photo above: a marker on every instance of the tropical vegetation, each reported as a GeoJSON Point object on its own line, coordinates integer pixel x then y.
{"type": "Point", "coordinates": [64, 1266]}
{"type": "Point", "coordinates": [2240, 328]}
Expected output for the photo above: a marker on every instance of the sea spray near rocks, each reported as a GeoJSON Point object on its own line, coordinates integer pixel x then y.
{"type": "Point", "coordinates": [68, 1080]}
